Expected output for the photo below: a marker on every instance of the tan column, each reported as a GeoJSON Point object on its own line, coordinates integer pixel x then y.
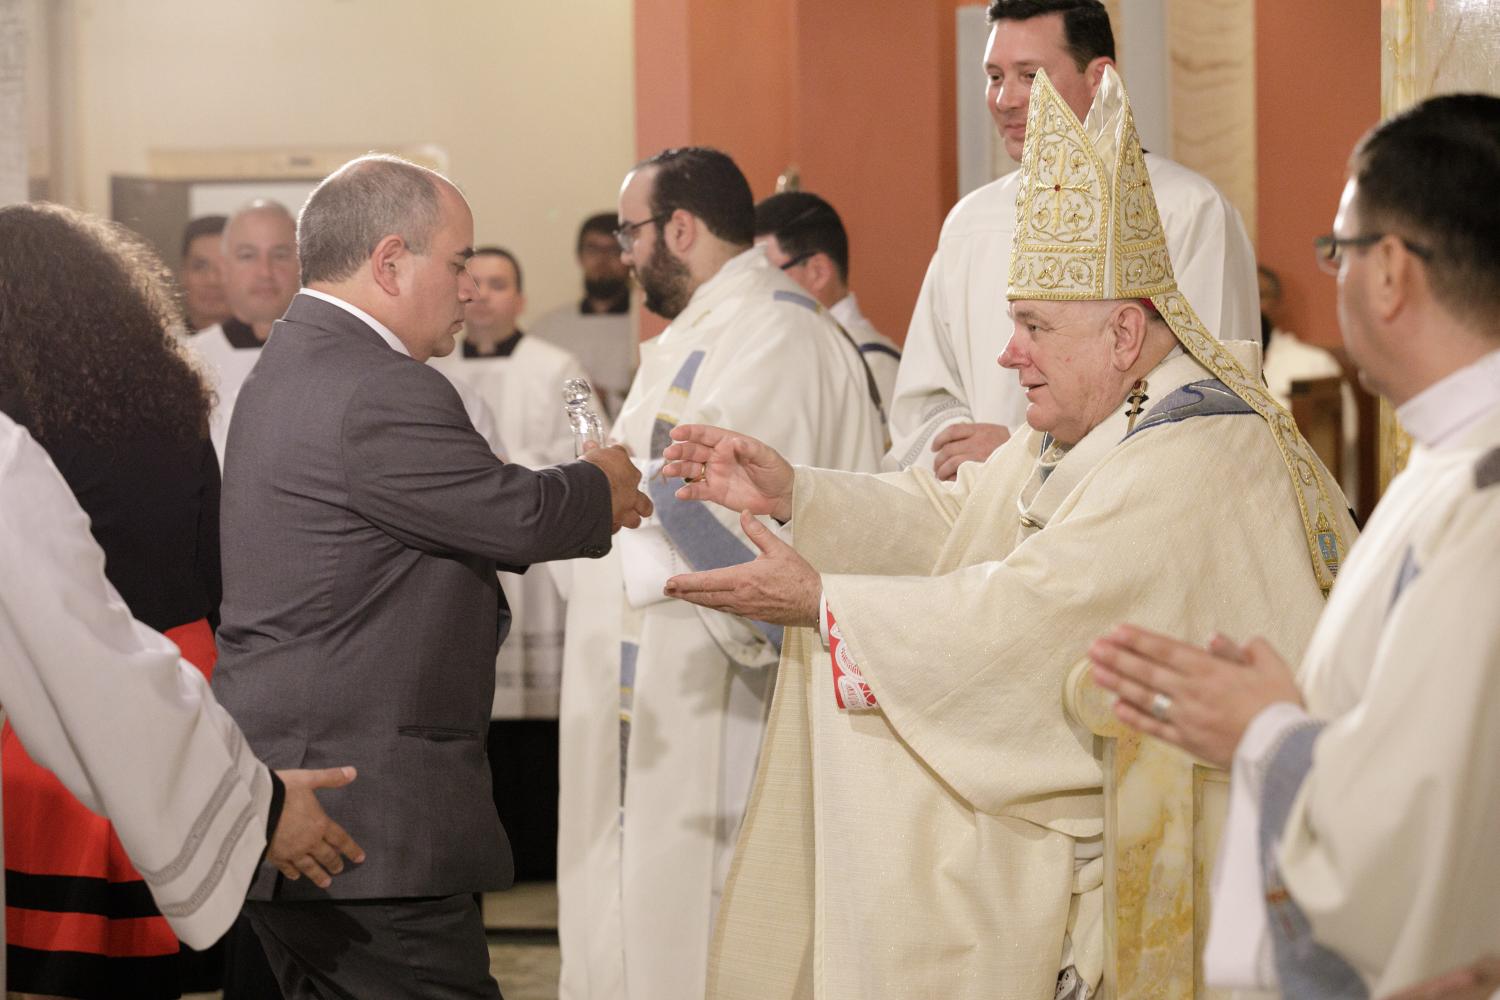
{"type": "Point", "coordinates": [1212, 49]}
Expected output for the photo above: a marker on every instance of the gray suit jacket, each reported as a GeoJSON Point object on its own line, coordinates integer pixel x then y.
{"type": "Point", "coordinates": [363, 520]}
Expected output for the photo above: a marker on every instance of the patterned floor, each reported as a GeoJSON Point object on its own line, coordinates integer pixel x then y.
{"type": "Point", "coordinates": [522, 924]}
{"type": "Point", "coordinates": [522, 927]}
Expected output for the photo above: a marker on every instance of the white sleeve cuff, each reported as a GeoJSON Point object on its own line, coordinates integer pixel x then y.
{"type": "Point", "coordinates": [1261, 738]}
{"type": "Point", "coordinates": [1237, 955]}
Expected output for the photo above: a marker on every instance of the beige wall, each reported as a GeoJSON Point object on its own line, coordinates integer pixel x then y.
{"type": "Point", "coordinates": [530, 99]}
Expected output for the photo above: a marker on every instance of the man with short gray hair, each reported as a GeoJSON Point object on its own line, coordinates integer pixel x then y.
{"type": "Point", "coordinates": [363, 521]}
{"type": "Point", "coordinates": [260, 278]}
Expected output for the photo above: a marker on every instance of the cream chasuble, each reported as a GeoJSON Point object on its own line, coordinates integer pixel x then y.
{"type": "Point", "coordinates": [928, 849]}
{"type": "Point", "coordinates": [523, 390]}
{"type": "Point", "coordinates": [946, 845]}
{"type": "Point", "coordinates": [108, 706]}
{"type": "Point", "coordinates": [948, 372]}
{"type": "Point", "coordinates": [684, 690]}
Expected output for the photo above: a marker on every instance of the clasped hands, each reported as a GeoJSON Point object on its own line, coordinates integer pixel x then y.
{"type": "Point", "coordinates": [1199, 698]}
{"type": "Point", "coordinates": [745, 475]}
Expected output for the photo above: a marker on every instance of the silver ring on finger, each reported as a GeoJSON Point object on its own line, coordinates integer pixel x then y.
{"type": "Point", "coordinates": [1161, 704]}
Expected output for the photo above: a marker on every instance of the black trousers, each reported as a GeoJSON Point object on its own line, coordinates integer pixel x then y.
{"type": "Point", "coordinates": [247, 974]}
{"type": "Point", "coordinates": [523, 772]}
{"type": "Point", "coordinates": [401, 949]}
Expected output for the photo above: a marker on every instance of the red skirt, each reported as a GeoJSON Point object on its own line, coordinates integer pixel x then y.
{"type": "Point", "coordinates": [79, 921]}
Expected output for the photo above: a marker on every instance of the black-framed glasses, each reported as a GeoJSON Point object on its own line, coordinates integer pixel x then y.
{"type": "Point", "coordinates": [1330, 248]}
{"type": "Point", "coordinates": [625, 233]}
{"type": "Point", "coordinates": [801, 258]}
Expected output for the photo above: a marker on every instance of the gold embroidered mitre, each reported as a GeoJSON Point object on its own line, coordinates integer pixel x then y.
{"type": "Point", "coordinates": [1088, 229]}
{"type": "Point", "coordinates": [1086, 221]}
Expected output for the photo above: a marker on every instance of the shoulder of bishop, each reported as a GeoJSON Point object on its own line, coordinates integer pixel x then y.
{"type": "Point", "coordinates": [1205, 398]}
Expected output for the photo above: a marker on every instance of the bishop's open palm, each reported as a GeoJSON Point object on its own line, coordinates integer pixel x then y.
{"type": "Point", "coordinates": [733, 470]}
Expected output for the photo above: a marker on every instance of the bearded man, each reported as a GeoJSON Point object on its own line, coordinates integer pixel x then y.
{"type": "Point", "coordinates": [663, 704]}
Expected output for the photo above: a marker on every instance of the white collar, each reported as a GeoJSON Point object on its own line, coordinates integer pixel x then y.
{"type": "Point", "coordinates": [1444, 410]}
{"type": "Point", "coordinates": [370, 321]}
{"type": "Point", "coordinates": [846, 309]}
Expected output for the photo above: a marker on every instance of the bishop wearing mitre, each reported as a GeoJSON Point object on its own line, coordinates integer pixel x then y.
{"type": "Point", "coordinates": [925, 821]}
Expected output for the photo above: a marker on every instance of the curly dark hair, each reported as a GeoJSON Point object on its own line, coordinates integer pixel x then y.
{"type": "Point", "coordinates": [86, 343]}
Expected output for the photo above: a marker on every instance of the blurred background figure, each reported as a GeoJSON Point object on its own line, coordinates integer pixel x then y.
{"type": "Point", "coordinates": [1287, 359]}
{"type": "Point", "coordinates": [260, 278]}
{"type": "Point", "coordinates": [89, 366]}
{"type": "Point", "coordinates": [805, 237]}
{"type": "Point", "coordinates": [518, 379]}
{"type": "Point", "coordinates": [597, 329]}
{"type": "Point", "coordinates": [1290, 366]}
{"type": "Point", "coordinates": [201, 272]}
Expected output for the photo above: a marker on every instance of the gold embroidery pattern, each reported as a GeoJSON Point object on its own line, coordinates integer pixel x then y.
{"type": "Point", "coordinates": [1063, 249]}
{"type": "Point", "coordinates": [1062, 208]}
{"type": "Point", "coordinates": [1142, 265]}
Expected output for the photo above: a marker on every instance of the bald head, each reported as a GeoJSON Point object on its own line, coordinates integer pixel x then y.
{"type": "Point", "coordinates": [360, 204]}
{"type": "Point", "coordinates": [260, 263]}
{"type": "Point", "coordinates": [392, 239]}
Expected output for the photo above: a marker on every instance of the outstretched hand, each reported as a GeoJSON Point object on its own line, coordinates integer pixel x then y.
{"type": "Point", "coordinates": [1201, 700]}
{"type": "Point", "coordinates": [778, 586]}
{"type": "Point", "coordinates": [306, 841]}
{"type": "Point", "coordinates": [729, 469]}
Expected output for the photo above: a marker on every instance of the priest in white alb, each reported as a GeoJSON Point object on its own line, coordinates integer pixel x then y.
{"type": "Point", "coordinates": [664, 704]}
{"type": "Point", "coordinates": [951, 403]}
{"type": "Point", "coordinates": [1359, 857]}
{"type": "Point", "coordinates": [260, 279]}
{"type": "Point", "coordinates": [925, 820]}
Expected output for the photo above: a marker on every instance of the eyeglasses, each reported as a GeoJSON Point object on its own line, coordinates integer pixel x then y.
{"type": "Point", "coordinates": [1330, 248]}
{"type": "Point", "coordinates": [625, 234]}
{"type": "Point", "coordinates": [801, 258]}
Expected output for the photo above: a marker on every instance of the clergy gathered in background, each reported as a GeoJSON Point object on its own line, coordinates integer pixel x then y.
{"type": "Point", "coordinates": [322, 616]}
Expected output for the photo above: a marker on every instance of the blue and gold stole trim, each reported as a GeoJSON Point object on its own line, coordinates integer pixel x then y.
{"type": "Point", "coordinates": [699, 537]}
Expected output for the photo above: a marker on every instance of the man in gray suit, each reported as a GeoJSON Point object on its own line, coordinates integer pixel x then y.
{"type": "Point", "coordinates": [363, 521]}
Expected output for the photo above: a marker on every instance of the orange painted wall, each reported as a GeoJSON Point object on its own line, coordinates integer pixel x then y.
{"type": "Point", "coordinates": [1317, 68]}
{"type": "Point", "coordinates": [875, 135]}
{"type": "Point", "coordinates": [857, 94]}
